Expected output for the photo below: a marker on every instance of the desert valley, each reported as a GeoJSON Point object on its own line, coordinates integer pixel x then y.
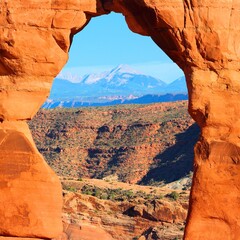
{"type": "Point", "coordinates": [126, 169]}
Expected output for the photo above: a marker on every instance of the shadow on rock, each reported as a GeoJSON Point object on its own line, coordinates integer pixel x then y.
{"type": "Point", "coordinates": [176, 161]}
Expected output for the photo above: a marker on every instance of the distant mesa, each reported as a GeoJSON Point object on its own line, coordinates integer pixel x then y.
{"type": "Point", "coordinates": [121, 85]}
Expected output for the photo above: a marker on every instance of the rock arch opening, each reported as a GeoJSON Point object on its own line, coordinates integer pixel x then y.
{"type": "Point", "coordinates": [124, 149]}
{"type": "Point", "coordinates": [60, 150]}
{"type": "Point", "coordinates": [205, 46]}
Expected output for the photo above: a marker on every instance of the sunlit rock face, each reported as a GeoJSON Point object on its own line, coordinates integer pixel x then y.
{"type": "Point", "coordinates": [34, 41]}
{"type": "Point", "coordinates": [202, 37]}
{"type": "Point", "coordinates": [29, 189]}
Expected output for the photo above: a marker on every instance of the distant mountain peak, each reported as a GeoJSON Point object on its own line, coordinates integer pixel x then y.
{"type": "Point", "coordinates": [119, 70]}
{"type": "Point", "coordinates": [120, 81]}
{"type": "Point", "coordinates": [124, 68]}
{"type": "Point", "coordinates": [93, 78]}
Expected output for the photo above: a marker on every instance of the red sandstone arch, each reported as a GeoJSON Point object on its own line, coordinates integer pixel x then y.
{"type": "Point", "coordinates": [201, 36]}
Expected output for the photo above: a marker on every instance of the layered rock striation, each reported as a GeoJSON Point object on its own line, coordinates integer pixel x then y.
{"type": "Point", "coordinates": [132, 143]}
{"type": "Point", "coordinates": [202, 37]}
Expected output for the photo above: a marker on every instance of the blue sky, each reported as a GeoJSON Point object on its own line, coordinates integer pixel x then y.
{"type": "Point", "coordinates": [107, 42]}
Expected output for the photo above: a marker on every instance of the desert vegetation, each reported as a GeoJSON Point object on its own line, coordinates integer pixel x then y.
{"type": "Point", "coordinates": [145, 144]}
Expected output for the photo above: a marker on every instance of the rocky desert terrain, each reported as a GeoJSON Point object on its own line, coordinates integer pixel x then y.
{"type": "Point", "coordinates": [125, 170]}
{"type": "Point", "coordinates": [104, 210]}
{"type": "Point", "coordinates": [143, 144]}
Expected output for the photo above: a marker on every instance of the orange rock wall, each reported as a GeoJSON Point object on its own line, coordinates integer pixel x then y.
{"type": "Point", "coordinates": [202, 37]}
{"type": "Point", "coordinates": [35, 37]}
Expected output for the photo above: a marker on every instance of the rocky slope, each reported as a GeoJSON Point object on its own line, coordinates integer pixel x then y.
{"type": "Point", "coordinates": [133, 143]}
{"type": "Point", "coordinates": [113, 210]}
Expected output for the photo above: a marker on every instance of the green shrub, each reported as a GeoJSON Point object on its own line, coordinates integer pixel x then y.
{"type": "Point", "coordinates": [173, 195]}
{"type": "Point", "coordinates": [111, 196]}
{"type": "Point", "coordinates": [160, 196]}
{"type": "Point", "coordinates": [104, 196]}
{"type": "Point", "coordinates": [97, 193]}
{"type": "Point", "coordinates": [129, 193]}
{"type": "Point", "coordinates": [88, 192]}
{"type": "Point", "coordinates": [71, 189]}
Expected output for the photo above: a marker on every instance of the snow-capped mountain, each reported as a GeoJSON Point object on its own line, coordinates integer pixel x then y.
{"type": "Point", "coordinates": [123, 71]}
{"type": "Point", "coordinates": [121, 85]}
{"type": "Point", "coordinates": [122, 76]}
{"type": "Point", "coordinates": [120, 81]}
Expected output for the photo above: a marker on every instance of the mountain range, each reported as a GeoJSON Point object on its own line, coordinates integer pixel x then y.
{"type": "Point", "coordinates": [121, 85]}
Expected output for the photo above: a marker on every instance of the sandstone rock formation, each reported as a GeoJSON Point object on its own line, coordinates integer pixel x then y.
{"type": "Point", "coordinates": [202, 37]}
{"type": "Point", "coordinates": [30, 192]}
{"type": "Point", "coordinates": [83, 232]}
{"type": "Point", "coordinates": [85, 214]}
{"type": "Point", "coordinates": [34, 40]}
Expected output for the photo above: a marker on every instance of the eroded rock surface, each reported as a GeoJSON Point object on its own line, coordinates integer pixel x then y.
{"type": "Point", "coordinates": [84, 214]}
{"type": "Point", "coordinates": [30, 192]}
{"type": "Point", "coordinates": [202, 37]}
{"type": "Point", "coordinates": [34, 42]}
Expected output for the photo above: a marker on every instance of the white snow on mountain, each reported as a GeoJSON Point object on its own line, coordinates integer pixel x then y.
{"type": "Point", "coordinates": [120, 81]}
{"type": "Point", "coordinates": [93, 78]}
{"type": "Point", "coordinates": [124, 70]}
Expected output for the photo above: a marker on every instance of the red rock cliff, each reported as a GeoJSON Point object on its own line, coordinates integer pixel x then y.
{"type": "Point", "coordinates": [202, 37]}
{"type": "Point", "coordinates": [34, 42]}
